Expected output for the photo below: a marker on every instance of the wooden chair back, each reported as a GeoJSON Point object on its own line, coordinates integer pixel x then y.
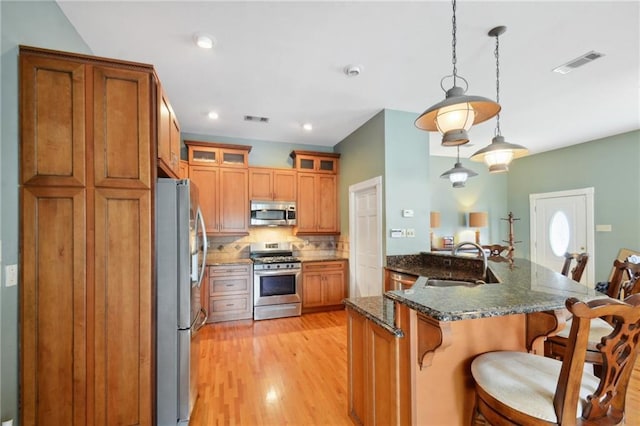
{"type": "Point", "coordinates": [621, 270]}
{"type": "Point", "coordinates": [619, 352]}
{"type": "Point", "coordinates": [581, 260]}
{"type": "Point", "coordinates": [633, 285]}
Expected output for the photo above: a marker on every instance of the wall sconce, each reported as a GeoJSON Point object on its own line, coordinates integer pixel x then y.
{"type": "Point", "coordinates": [434, 219]}
{"type": "Point", "coordinates": [478, 220]}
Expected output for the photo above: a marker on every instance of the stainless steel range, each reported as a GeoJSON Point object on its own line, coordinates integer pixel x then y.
{"type": "Point", "coordinates": [276, 278]}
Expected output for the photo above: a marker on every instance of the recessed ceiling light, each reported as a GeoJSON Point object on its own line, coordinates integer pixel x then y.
{"type": "Point", "coordinates": [204, 41]}
{"type": "Point", "coordinates": [307, 126]}
{"type": "Point", "coordinates": [352, 70]}
{"type": "Point", "coordinates": [213, 115]}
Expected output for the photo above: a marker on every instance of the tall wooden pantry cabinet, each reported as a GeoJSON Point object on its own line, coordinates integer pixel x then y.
{"type": "Point", "coordinates": [87, 151]}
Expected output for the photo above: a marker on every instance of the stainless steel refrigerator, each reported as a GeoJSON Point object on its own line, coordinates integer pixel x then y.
{"type": "Point", "coordinates": [181, 250]}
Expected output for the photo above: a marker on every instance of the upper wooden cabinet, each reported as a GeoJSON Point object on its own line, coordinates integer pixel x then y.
{"type": "Point", "coordinates": [183, 169]}
{"type": "Point", "coordinates": [86, 299]}
{"type": "Point", "coordinates": [168, 137]}
{"type": "Point", "coordinates": [272, 184]}
{"type": "Point", "coordinates": [217, 154]}
{"type": "Point", "coordinates": [223, 186]}
{"type": "Point", "coordinates": [310, 161]}
{"type": "Point", "coordinates": [317, 199]}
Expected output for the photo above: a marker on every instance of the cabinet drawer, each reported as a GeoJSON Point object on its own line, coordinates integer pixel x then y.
{"type": "Point", "coordinates": [228, 284]}
{"type": "Point", "coordinates": [230, 269]}
{"type": "Point", "coordinates": [228, 304]}
{"type": "Point", "coordinates": [323, 266]}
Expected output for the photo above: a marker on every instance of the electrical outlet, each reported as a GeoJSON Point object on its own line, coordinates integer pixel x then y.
{"type": "Point", "coordinates": [11, 275]}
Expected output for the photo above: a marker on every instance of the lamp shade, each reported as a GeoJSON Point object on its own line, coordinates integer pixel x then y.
{"type": "Point", "coordinates": [434, 218]}
{"type": "Point", "coordinates": [458, 175]}
{"type": "Point", "coordinates": [478, 219]}
{"type": "Point", "coordinates": [498, 155]}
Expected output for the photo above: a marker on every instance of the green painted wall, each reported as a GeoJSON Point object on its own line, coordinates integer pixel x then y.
{"type": "Point", "coordinates": [610, 166]}
{"type": "Point", "coordinates": [361, 158]}
{"type": "Point", "coordinates": [263, 153]}
{"type": "Point", "coordinates": [40, 24]}
{"type": "Point", "coordinates": [484, 193]}
{"type": "Point", "coordinates": [406, 182]}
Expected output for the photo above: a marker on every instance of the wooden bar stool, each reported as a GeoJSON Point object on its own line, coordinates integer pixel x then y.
{"type": "Point", "coordinates": [556, 346]}
{"type": "Point", "coordinates": [519, 388]}
{"type": "Point", "coordinates": [581, 262]}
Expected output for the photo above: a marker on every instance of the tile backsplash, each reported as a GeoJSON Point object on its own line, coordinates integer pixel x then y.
{"type": "Point", "coordinates": [234, 247]}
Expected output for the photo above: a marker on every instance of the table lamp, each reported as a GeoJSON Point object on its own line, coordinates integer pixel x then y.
{"type": "Point", "coordinates": [478, 220]}
{"type": "Point", "coordinates": [434, 219]}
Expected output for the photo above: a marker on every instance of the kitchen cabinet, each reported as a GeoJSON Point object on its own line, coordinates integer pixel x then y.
{"type": "Point", "coordinates": [223, 191]}
{"type": "Point", "coordinates": [217, 154]}
{"type": "Point", "coordinates": [272, 184]}
{"type": "Point", "coordinates": [317, 199]}
{"type": "Point", "coordinates": [311, 161]}
{"type": "Point", "coordinates": [378, 381]}
{"type": "Point", "coordinates": [230, 292]}
{"type": "Point", "coordinates": [86, 292]}
{"type": "Point", "coordinates": [324, 285]}
{"type": "Point", "coordinates": [168, 137]}
{"type": "Point", "coordinates": [398, 281]}
{"type": "Point", "coordinates": [183, 169]}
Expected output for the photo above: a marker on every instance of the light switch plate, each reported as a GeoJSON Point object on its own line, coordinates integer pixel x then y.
{"type": "Point", "coordinates": [603, 228]}
{"type": "Point", "coordinates": [407, 213]}
{"type": "Point", "coordinates": [411, 233]}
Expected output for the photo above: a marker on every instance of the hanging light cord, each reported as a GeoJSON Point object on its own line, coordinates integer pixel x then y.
{"type": "Point", "coordinates": [497, 55]}
{"type": "Point", "coordinates": [454, 59]}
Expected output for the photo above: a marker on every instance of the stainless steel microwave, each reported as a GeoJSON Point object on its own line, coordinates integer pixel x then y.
{"type": "Point", "coordinates": [273, 213]}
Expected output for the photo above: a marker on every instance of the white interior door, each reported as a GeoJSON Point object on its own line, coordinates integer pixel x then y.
{"type": "Point", "coordinates": [562, 222]}
{"type": "Point", "coordinates": [365, 235]}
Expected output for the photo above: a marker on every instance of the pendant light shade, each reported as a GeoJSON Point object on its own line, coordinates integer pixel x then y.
{"type": "Point", "coordinates": [499, 154]}
{"type": "Point", "coordinates": [458, 175]}
{"type": "Point", "coordinates": [455, 115]}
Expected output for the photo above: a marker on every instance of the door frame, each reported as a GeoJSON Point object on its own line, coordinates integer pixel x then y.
{"type": "Point", "coordinates": [589, 222]}
{"type": "Point", "coordinates": [376, 183]}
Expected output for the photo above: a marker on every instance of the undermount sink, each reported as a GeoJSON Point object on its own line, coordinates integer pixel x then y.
{"type": "Point", "coordinates": [433, 282]}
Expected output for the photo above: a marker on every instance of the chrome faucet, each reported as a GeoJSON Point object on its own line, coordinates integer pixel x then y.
{"type": "Point", "coordinates": [480, 249]}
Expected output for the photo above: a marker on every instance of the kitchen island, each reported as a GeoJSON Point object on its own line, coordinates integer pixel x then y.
{"type": "Point", "coordinates": [410, 350]}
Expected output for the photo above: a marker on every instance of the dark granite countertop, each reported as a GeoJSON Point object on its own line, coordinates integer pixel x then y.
{"type": "Point", "coordinates": [321, 258]}
{"type": "Point", "coordinates": [524, 287]}
{"type": "Point", "coordinates": [378, 309]}
{"type": "Point", "coordinates": [213, 261]}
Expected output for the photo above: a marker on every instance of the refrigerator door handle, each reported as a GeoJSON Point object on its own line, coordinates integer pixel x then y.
{"type": "Point", "coordinates": [196, 327]}
{"type": "Point", "coordinates": [205, 244]}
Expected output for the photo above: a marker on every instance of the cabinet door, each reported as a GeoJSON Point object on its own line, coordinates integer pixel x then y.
{"type": "Point", "coordinates": [326, 203]}
{"type": "Point", "coordinates": [357, 367]}
{"type": "Point", "coordinates": [306, 220]}
{"type": "Point", "coordinates": [164, 131]}
{"type": "Point", "coordinates": [260, 184]}
{"type": "Point", "coordinates": [175, 143]}
{"type": "Point", "coordinates": [122, 347]}
{"type": "Point", "coordinates": [334, 288]}
{"type": "Point", "coordinates": [311, 290]}
{"type": "Point", "coordinates": [206, 180]}
{"type": "Point", "coordinates": [53, 307]}
{"type": "Point", "coordinates": [184, 170]}
{"type": "Point", "coordinates": [284, 185]}
{"type": "Point", "coordinates": [52, 115]}
{"type": "Point", "coordinates": [234, 201]}
{"type": "Point", "coordinates": [121, 127]}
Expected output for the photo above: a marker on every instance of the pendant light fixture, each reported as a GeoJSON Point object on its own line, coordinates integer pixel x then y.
{"type": "Point", "coordinates": [458, 175]}
{"type": "Point", "coordinates": [455, 115]}
{"type": "Point", "coordinates": [498, 155]}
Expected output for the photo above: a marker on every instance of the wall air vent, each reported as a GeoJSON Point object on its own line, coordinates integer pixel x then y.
{"type": "Point", "coordinates": [256, 119]}
{"type": "Point", "coordinates": [578, 62]}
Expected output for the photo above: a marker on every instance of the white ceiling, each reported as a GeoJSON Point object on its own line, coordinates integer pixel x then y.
{"type": "Point", "coordinates": [285, 60]}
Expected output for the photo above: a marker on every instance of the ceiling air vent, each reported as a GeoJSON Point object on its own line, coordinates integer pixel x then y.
{"type": "Point", "coordinates": [578, 62]}
{"type": "Point", "coordinates": [256, 119]}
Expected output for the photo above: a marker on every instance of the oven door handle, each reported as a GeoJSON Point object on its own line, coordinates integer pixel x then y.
{"type": "Point", "coordinates": [262, 273]}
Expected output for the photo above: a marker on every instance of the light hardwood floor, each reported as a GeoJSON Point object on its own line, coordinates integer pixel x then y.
{"type": "Point", "coordinates": [289, 371]}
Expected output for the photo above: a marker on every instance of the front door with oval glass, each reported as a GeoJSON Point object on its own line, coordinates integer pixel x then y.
{"type": "Point", "coordinates": [562, 222]}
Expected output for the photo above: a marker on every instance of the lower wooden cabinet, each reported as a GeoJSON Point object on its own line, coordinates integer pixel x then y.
{"type": "Point", "coordinates": [397, 280]}
{"type": "Point", "coordinates": [379, 385]}
{"type": "Point", "coordinates": [324, 285]}
{"type": "Point", "coordinates": [230, 292]}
